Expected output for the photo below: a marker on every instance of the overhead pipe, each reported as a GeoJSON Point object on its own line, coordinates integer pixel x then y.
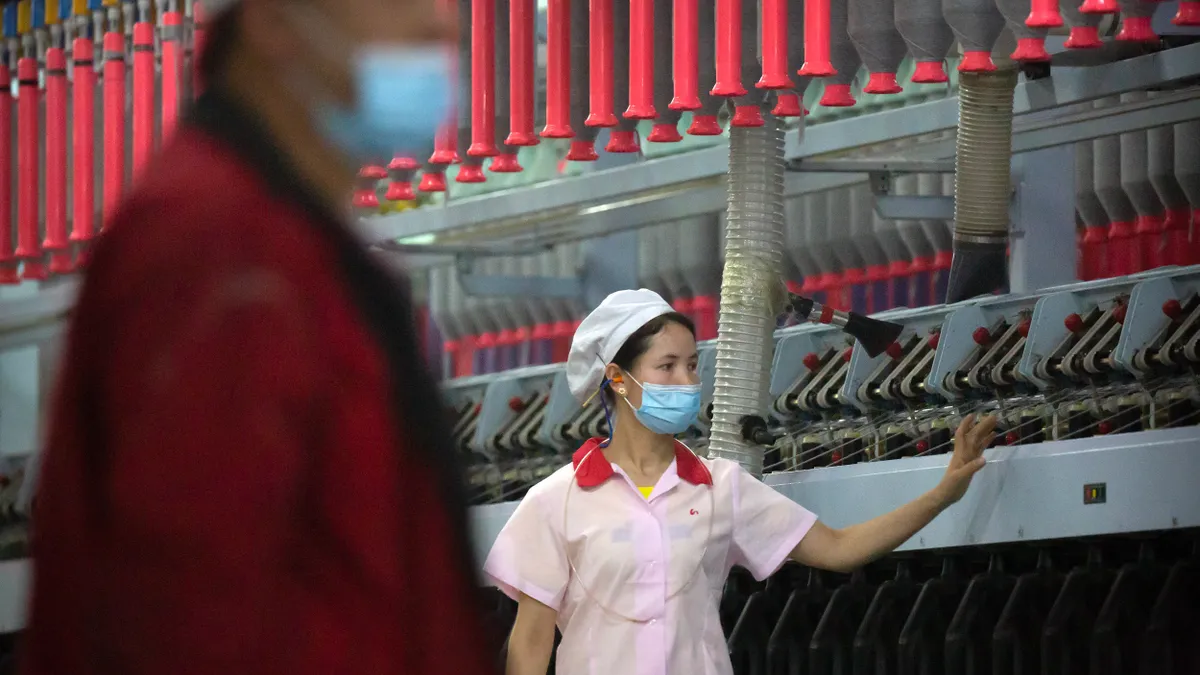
{"type": "Point", "coordinates": [1093, 250]}
{"type": "Point", "coordinates": [729, 36]}
{"type": "Point", "coordinates": [600, 64]}
{"type": "Point", "coordinates": [705, 120]}
{"type": "Point", "coordinates": [400, 173]}
{"type": "Point", "coordinates": [1084, 29]}
{"type": "Point", "coordinates": [641, 60]}
{"type": "Point", "coordinates": [29, 245]}
{"type": "Point", "coordinates": [558, 70]}
{"type": "Point", "coordinates": [114, 121]}
{"type": "Point", "coordinates": [623, 137]}
{"type": "Point", "coordinates": [927, 35]}
{"type": "Point", "coordinates": [505, 160]}
{"type": "Point", "coordinates": [844, 57]}
{"type": "Point", "coordinates": [747, 108]}
{"type": "Point", "coordinates": [872, 29]}
{"type": "Point", "coordinates": [685, 60]}
{"type": "Point", "coordinates": [172, 64]}
{"type": "Point", "coordinates": [483, 77]}
{"type": "Point", "coordinates": [83, 144]}
{"type": "Point", "coordinates": [1143, 250]}
{"type": "Point", "coordinates": [1187, 172]}
{"type": "Point", "coordinates": [56, 244]}
{"type": "Point", "coordinates": [818, 28]}
{"type": "Point", "coordinates": [1160, 144]}
{"type": "Point", "coordinates": [1121, 215]}
{"type": "Point", "coordinates": [583, 144]}
{"type": "Point", "coordinates": [522, 14]}
{"type": "Point", "coordinates": [666, 119]}
{"type": "Point", "coordinates": [977, 24]}
{"type": "Point", "coordinates": [1135, 21]}
{"type": "Point", "coordinates": [775, 62]}
{"type": "Point", "coordinates": [143, 94]}
{"type": "Point", "coordinates": [8, 259]}
{"type": "Point", "coordinates": [982, 189]}
{"type": "Point", "coordinates": [1031, 40]}
{"type": "Point", "coordinates": [790, 102]}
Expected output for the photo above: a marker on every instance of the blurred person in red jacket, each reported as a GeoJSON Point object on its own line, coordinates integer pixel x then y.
{"type": "Point", "coordinates": [247, 468]}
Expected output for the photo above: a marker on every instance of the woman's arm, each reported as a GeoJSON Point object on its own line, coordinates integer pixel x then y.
{"type": "Point", "coordinates": [852, 547]}
{"type": "Point", "coordinates": [532, 638]}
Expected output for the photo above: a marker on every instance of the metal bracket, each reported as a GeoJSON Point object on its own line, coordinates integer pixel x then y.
{"type": "Point", "coordinates": [893, 165]}
{"type": "Point", "coordinates": [484, 285]}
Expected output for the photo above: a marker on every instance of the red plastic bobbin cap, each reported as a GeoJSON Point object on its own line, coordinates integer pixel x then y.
{"type": "Point", "coordinates": [812, 361]}
{"type": "Point", "coordinates": [1073, 322]}
{"type": "Point", "coordinates": [582, 151]}
{"type": "Point", "coordinates": [1118, 313]}
{"type": "Point", "coordinates": [895, 351]}
{"type": "Point", "coordinates": [505, 163]}
{"type": "Point", "coordinates": [837, 96]}
{"type": "Point", "coordinates": [521, 139]}
{"type": "Point", "coordinates": [1044, 17]}
{"type": "Point", "coordinates": [930, 72]}
{"type": "Point", "coordinates": [372, 173]}
{"type": "Point", "coordinates": [1011, 438]}
{"type": "Point", "coordinates": [664, 133]}
{"type": "Point", "coordinates": [787, 104]}
{"type": "Point", "coordinates": [470, 173]}
{"type": "Point", "coordinates": [9, 275]}
{"type": "Point", "coordinates": [1099, 7]}
{"type": "Point", "coordinates": [982, 336]}
{"type": "Point", "coordinates": [516, 404]}
{"type": "Point", "coordinates": [622, 141]}
{"type": "Point", "coordinates": [1104, 427]}
{"type": "Point", "coordinates": [704, 125]}
{"type": "Point", "coordinates": [1023, 328]}
{"type": "Point", "coordinates": [601, 119]}
{"type": "Point", "coordinates": [922, 446]}
{"type": "Point", "coordinates": [882, 83]}
{"type": "Point", "coordinates": [558, 131]}
{"type": "Point", "coordinates": [1188, 14]}
{"type": "Point", "coordinates": [432, 182]}
{"type": "Point", "coordinates": [934, 340]}
{"type": "Point", "coordinates": [1136, 29]}
{"type": "Point", "coordinates": [1031, 50]}
{"type": "Point", "coordinates": [1084, 37]}
{"type": "Point", "coordinates": [747, 116]}
{"type": "Point", "coordinates": [1172, 309]}
{"type": "Point", "coordinates": [976, 62]}
{"type": "Point", "coordinates": [403, 164]}
{"type": "Point", "coordinates": [365, 198]}
{"type": "Point", "coordinates": [400, 191]}
{"type": "Point", "coordinates": [847, 354]}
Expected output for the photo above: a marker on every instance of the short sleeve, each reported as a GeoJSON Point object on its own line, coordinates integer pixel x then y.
{"type": "Point", "coordinates": [529, 556]}
{"type": "Point", "coordinates": [766, 525]}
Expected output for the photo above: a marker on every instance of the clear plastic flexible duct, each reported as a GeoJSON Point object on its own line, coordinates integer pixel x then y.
{"type": "Point", "coordinates": [751, 290]}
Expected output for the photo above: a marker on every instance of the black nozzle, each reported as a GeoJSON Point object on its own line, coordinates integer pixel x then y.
{"type": "Point", "coordinates": [977, 269]}
{"type": "Point", "coordinates": [754, 429]}
{"type": "Point", "coordinates": [874, 335]}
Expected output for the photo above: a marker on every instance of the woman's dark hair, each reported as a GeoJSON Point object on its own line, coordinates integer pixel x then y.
{"type": "Point", "coordinates": [220, 37]}
{"type": "Point", "coordinates": [639, 342]}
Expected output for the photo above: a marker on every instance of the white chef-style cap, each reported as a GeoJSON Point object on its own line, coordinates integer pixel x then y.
{"type": "Point", "coordinates": [602, 333]}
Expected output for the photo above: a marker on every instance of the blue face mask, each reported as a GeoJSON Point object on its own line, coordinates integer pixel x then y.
{"type": "Point", "coordinates": [404, 93]}
{"type": "Point", "coordinates": [667, 408]}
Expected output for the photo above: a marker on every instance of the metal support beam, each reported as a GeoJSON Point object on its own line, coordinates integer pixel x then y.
{"type": "Point", "coordinates": [1042, 242]}
{"type": "Point", "coordinates": [894, 165]}
{"type": "Point", "coordinates": [912, 207]}
{"type": "Point", "coordinates": [487, 285]}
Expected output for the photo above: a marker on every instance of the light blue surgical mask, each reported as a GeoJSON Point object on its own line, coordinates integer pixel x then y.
{"type": "Point", "coordinates": [667, 408]}
{"type": "Point", "coordinates": [404, 93]}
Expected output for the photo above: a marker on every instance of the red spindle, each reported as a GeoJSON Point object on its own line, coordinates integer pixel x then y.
{"type": "Point", "coordinates": [199, 41]}
{"type": "Point", "coordinates": [8, 260]}
{"type": "Point", "coordinates": [1044, 14]}
{"type": "Point", "coordinates": [1099, 7]}
{"type": "Point", "coordinates": [114, 122]}
{"type": "Point", "coordinates": [56, 162]}
{"type": "Point", "coordinates": [558, 70]}
{"type": "Point", "coordinates": [729, 49]}
{"type": "Point", "coordinates": [686, 61]}
{"type": "Point", "coordinates": [600, 61]}
{"type": "Point", "coordinates": [83, 95]}
{"type": "Point", "coordinates": [143, 95]}
{"type": "Point", "coordinates": [483, 78]}
{"type": "Point", "coordinates": [445, 145]}
{"type": "Point", "coordinates": [774, 23]}
{"type": "Point", "coordinates": [521, 40]}
{"type": "Point", "coordinates": [171, 35]}
{"type": "Point", "coordinates": [816, 40]}
{"type": "Point", "coordinates": [1188, 14]}
{"type": "Point", "coordinates": [29, 248]}
{"type": "Point", "coordinates": [641, 60]}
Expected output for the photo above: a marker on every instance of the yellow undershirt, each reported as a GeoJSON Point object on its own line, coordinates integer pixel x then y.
{"type": "Point", "coordinates": [646, 491]}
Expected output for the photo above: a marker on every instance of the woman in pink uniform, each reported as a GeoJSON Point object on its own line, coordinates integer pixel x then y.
{"type": "Point", "coordinates": [628, 547]}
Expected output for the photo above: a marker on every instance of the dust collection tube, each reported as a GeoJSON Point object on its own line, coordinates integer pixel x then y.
{"type": "Point", "coordinates": [29, 249]}
{"type": "Point", "coordinates": [56, 242]}
{"type": "Point", "coordinates": [83, 97]}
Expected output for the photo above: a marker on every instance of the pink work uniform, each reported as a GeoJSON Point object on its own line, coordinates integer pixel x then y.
{"type": "Point", "coordinates": [640, 601]}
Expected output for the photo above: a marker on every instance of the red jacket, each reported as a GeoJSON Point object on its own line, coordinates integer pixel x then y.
{"type": "Point", "coordinates": [246, 470]}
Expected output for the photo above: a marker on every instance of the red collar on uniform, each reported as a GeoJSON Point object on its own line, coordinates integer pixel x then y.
{"type": "Point", "coordinates": [598, 469]}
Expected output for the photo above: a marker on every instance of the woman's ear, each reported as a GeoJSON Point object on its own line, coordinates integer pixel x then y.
{"type": "Point", "coordinates": [616, 379]}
